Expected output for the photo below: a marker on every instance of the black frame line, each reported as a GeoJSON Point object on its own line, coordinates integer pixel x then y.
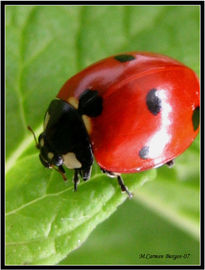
{"type": "Point", "coordinates": [3, 136]}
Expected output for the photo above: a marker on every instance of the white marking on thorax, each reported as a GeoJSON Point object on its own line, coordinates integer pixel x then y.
{"type": "Point", "coordinates": [73, 101]}
{"type": "Point", "coordinates": [87, 122]}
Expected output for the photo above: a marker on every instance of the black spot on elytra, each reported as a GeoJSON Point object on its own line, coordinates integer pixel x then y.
{"type": "Point", "coordinates": [124, 57]}
{"type": "Point", "coordinates": [153, 102]}
{"type": "Point", "coordinates": [144, 152]}
{"type": "Point", "coordinates": [195, 118]}
{"type": "Point", "coordinates": [90, 103]}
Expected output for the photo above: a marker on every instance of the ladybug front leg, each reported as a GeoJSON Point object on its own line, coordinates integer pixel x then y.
{"type": "Point", "coordinates": [76, 179]}
{"type": "Point", "coordinates": [60, 170]}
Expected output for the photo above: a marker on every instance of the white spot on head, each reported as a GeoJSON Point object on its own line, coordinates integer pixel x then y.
{"type": "Point", "coordinates": [70, 161]}
{"type": "Point", "coordinates": [42, 142]}
{"type": "Point", "coordinates": [47, 117]}
{"type": "Point", "coordinates": [50, 155]}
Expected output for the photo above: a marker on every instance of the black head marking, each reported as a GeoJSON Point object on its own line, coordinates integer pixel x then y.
{"type": "Point", "coordinates": [124, 57]}
{"type": "Point", "coordinates": [153, 102]}
{"type": "Point", "coordinates": [195, 118]}
{"type": "Point", "coordinates": [90, 103]}
{"type": "Point", "coordinates": [144, 152]}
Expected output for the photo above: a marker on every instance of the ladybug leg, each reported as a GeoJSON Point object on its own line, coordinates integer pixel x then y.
{"type": "Point", "coordinates": [123, 187]}
{"type": "Point", "coordinates": [61, 171]}
{"type": "Point", "coordinates": [170, 163]}
{"type": "Point", "coordinates": [76, 179]}
{"type": "Point", "coordinates": [120, 181]}
{"type": "Point", "coordinates": [85, 173]}
{"type": "Point", "coordinates": [108, 173]}
{"type": "Point", "coordinates": [79, 172]}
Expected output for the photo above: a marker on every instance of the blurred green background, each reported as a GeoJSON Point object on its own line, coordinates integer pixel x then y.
{"type": "Point", "coordinates": [45, 45]}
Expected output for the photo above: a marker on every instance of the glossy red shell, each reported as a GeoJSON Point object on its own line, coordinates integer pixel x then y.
{"type": "Point", "coordinates": [126, 125]}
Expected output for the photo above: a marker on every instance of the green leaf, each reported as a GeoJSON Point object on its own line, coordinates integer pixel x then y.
{"type": "Point", "coordinates": [46, 220]}
{"type": "Point", "coordinates": [45, 45]}
{"type": "Point", "coordinates": [134, 229]}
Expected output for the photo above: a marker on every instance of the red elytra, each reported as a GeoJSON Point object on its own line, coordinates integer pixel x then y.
{"type": "Point", "coordinates": [149, 107]}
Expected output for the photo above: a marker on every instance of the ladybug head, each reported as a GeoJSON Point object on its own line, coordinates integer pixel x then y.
{"type": "Point", "coordinates": [47, 156]}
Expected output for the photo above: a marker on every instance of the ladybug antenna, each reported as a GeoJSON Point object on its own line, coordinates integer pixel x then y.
{"type": "Point", "coordinates": [34, 135]}
{"type": "Point", "coordinates": [61, 171]}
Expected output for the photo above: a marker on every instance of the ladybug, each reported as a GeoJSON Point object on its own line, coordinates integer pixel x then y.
{"type": "Point", "coordinates": [132, 112]}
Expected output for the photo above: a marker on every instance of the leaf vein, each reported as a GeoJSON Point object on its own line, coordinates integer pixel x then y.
{"type": "Point", "coordinates": [47, 195]}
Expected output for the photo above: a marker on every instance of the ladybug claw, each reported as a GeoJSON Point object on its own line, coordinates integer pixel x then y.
{"type": "Point", "coordinates": [130, 195]}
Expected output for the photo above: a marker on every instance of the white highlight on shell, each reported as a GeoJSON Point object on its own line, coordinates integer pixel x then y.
{"type": "Point", "coordinates": [70, 161]}
{"type": "Point", "coordinates": [161, 138]}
